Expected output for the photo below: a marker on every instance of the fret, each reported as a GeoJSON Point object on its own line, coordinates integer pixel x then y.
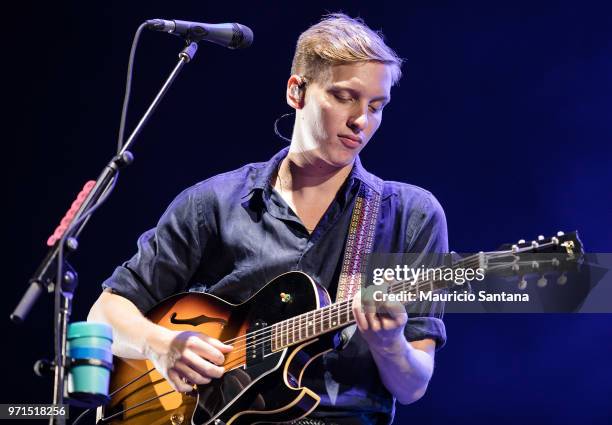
{"type": "Point", "coordinates": [278, 337]}
{"type": "Point", "coordinates": [309, 327]}
{"type": "Point", "coordinates": [348, 312]}
{"type": "Point", "coordinates": [338, 314]}
{"type": "Point", "coordinates": [292, 320]}
{"type": "Point", "coordinates": [288, 321]}
{"type": "Point", "coordinates": [322, 320]}
{"type": "Point", "coordinates": [274, 337]}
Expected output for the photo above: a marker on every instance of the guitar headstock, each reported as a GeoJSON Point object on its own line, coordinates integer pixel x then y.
{"type": "Point", "coordinates": [556, 255]}
{"type": "Point", "coordinates": [568, 243]}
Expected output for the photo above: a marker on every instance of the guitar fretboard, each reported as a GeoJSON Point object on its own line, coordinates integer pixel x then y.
{"type": "Point", "coordinates": [335, 316]}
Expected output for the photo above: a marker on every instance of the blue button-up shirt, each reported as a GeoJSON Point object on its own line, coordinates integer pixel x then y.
{"type": "Point", "coordinates": [232, 233]}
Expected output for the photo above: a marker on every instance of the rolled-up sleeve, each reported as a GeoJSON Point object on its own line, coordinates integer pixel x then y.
{"type": "Point", "coordinates": [430, 237]}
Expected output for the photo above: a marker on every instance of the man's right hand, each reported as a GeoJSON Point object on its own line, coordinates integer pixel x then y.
{"type": "Point", "coordinates": [186, 358]}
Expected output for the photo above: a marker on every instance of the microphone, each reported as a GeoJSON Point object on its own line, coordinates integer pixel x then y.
{"type": "Point", "coordinates": [231, 35]}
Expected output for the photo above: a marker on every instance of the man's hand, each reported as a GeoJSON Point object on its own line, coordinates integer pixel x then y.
{"type": "Point", "coordinates": [381, 325]}
{"type": "Point", "coordinates": [186, 358]}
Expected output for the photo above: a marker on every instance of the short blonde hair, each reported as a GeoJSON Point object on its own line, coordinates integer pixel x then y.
{"type": "Point", "coordinates": [339, 40]}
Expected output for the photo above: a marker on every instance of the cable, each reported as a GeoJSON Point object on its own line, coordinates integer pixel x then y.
{"type": "Point", "coordinates": [82, 415]}
{"type": "Point", "coordinates": [276, 126]}
{"type": "Point", "coordinates": [128, 87]}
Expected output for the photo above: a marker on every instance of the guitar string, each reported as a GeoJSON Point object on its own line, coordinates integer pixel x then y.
{"type": "Point", "coordinates": [149, 400]}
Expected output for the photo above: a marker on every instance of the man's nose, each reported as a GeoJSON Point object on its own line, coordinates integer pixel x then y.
{"type": "Point", "coordinates": [359, 119]}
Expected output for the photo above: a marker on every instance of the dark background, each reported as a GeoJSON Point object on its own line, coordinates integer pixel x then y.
{"type": "Point", "coordinates": [503, 113]}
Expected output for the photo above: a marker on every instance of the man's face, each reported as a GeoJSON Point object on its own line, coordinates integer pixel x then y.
{"type": "Point", "coordinates": [342, 113]}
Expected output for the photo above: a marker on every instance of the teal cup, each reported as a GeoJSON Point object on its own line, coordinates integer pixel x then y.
{"type": "Point", "coordinates": [91, 362]}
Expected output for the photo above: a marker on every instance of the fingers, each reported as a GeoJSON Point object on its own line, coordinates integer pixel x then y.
{"type": "Point", "coordinates": [376, 316]}
{"type": "Point", "coordinates": [191, 358]}
{"type": "Point", "coordinates": [365, 314]}
{"type": "Point", "coordinates": [224, 348]}
{"type": "Point", "coordinates": [360, 319]}
{"type": "Point", "coordinates": [373, 321]}
{"type": "Point", "coordinates": [392, 315]}
{"type": "Point", "coordinates": [389, 323]}
{"type": "Point", "coordinates": [192, 377]}
{"type": "Point", "coordinates": [201, 366]}
{"type": "Point", "coordinates": [392, 308]}
{"type": "Point", "coordinates": [191, 367]}
{"type": "Point", "coordinates": [176, 381]}
{"type": "Point", "coordinates": [207, 347]}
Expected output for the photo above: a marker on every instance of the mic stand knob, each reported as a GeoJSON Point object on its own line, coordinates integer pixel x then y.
{"type": "Point", "coordinates": [43, 368]}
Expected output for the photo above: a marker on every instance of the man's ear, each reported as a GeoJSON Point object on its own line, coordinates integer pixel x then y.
{"type": "Point", "coordinates": [296, 91]}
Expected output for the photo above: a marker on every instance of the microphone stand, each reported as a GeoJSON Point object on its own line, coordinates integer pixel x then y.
{"type": "Point", "coordinates": [45, 278]}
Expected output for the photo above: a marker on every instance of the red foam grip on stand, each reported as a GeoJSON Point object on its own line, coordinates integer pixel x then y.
{"type": "Point", "coordinates": [67, 219]}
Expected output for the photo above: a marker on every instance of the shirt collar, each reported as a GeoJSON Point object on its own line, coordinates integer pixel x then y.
{"type": "Point", "coordinates": [264, 173]}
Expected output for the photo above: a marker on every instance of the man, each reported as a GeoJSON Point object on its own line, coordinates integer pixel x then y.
{"type": "Point", "coordinates": [234, 232]}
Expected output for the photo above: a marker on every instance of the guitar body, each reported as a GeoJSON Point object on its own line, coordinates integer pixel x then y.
{"type": "Point", "coordinates": [260, 385]}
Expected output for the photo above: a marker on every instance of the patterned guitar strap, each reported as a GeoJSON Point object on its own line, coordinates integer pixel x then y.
{"type": "Point", "coordinates": [359, 240]}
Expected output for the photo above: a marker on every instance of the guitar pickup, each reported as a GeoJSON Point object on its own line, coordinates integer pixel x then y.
{"type": "Point", "coordinates": [257, 343]}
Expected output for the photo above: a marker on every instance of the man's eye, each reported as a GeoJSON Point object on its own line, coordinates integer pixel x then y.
{"type": "Point", "coordinates": [374, 109]}
{"type": "Point", "coordinates": [342, 98]}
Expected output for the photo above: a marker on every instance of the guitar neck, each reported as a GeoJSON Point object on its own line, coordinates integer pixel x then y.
{"type": "Point", "coordinates": [338, 315]}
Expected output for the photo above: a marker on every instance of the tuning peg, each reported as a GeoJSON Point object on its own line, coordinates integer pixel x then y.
{"type": "Point", "coordinates": [555, 262]}
{"type": "Point", "coordinates": [535, 265]}
{"type": "Point", "coordinates": [542, 282]}
{"type": "Point", "coordinates": [560, 233]}
{"type": "Point", "coordinates": [522, 283]}
{"type": "Point", "coordinates": [540, 238]}
{"type": "Point", "coordinates": [521, 241]}
{"type": "Point", "coordinates": [562, 280]}
{"type": "Point", "coordinates": [534, 244]}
